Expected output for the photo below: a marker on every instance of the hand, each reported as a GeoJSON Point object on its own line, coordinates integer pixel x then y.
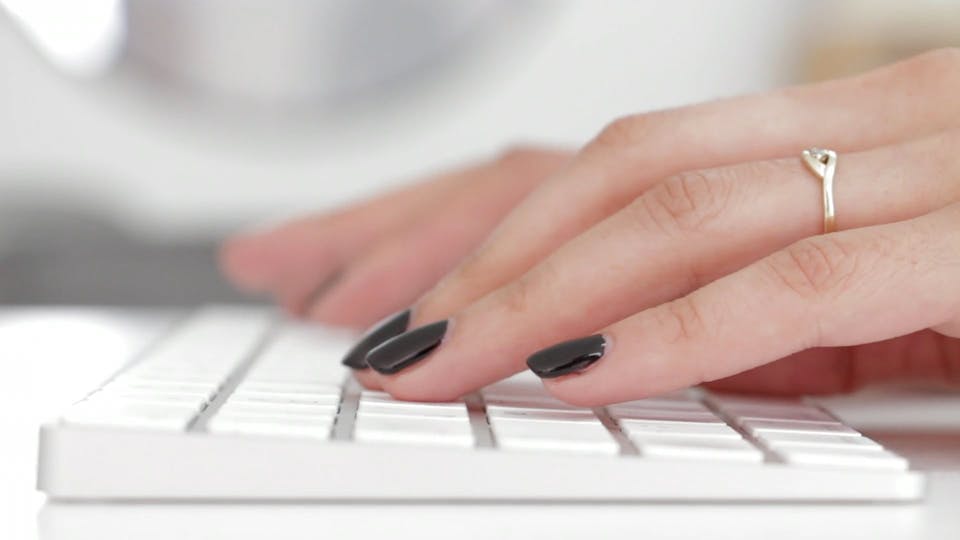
{"type": "Point", "coordinates": [356, 265]}
{"type": "Point", "coordinates": [687, 243]}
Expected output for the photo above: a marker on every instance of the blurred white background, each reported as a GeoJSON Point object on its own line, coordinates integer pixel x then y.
{"type": "Point", "coordinates": [136, 133]}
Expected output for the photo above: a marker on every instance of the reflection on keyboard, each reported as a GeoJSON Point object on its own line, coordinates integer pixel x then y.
{"type": "Point", "coordinates": [227, 382]}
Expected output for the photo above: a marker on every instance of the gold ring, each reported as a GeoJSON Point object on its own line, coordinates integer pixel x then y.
{"type": "Point", "coordinates": [823, 163]}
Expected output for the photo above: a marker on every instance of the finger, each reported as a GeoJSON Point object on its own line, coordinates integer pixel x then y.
{"type": "Point", "coordinates": [310, 249]}
{"type": "Point", "coordinates": [631, 154]}
{"type": "Point", "coordinates": [924, 356]}
{"type": "Point", "coordinates": [392, 274]}
{"type": "Point", "coordinates": [299, 255]}
{"type": "Point", "coordinates": [837, 290]}
{"type": "Point", "coordinates": [684, 233]}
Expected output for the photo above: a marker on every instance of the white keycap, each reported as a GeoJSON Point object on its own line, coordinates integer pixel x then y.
{"type": "Point", "coordinates": [657, 404]}
{"type": "Point", "coordinates": [132, 415]}
{"type": "Point", "coordinates": [791, 440]}
{"type": "Point", "coordinates": [733, 400]}
{"type": "Point", "coordinates": [280, 399]}
{"type": "Point", "coordinates": [304, 353]}
{"type": "Point", "coordinates": [414, 431]}
{"type": "Point", "coordinates": [413, 411]}
{"type": "Point", "coordinates": [302, 387]}
{"type": "Point", "coordinates": [497, 403]}
{"type": "Point", "coordinates": [759, 427]}
{"type": "Point", "coordinates": [319, 429]}
{"type": "Point", "coordinates": [553, 436]}
{"type": "Point", "coordinates": [303, 409]}
{"type": "Point", "coordinates": [128, 381]}
{"type": "Point", "coordinates": [215, 336]}
{"type": "Point", "coordinates": [156, 398]}
{"type": "Point", "coordinates": [183, 375]}
{"type": "Point", "coordinates": [703, 417]}
{"type": "Point", "coordinates": [698, 448]}
{"type": "Point", "coordinates": [541, 415]}
{"type": "Point", "coordinates": [866, 459]}
{"type": "Point", "coordinates": [809, 414]}
{"type": "Point", "coordinates": [317, 415]}
{"type": "Point", "coordinates": [677, 429]}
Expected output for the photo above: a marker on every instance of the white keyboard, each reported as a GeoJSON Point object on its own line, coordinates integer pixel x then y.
{"type": "Point", "coordinates": [235, 404]}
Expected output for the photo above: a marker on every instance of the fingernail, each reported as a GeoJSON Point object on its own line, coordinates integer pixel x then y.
{"type": "Point", "coordinates": [394, 325]}
{"type": "Point", "coordinates": [567, 357]}
{"type": "Point", "coordinates": [403, 351]}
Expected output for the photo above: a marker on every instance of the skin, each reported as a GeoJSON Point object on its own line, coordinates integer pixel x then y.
{"type": "Point", "coordinates": [690, 238]}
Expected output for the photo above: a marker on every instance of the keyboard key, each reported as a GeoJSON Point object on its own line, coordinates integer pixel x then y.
{"type": "Point", "coordinates": [303, 409]}
{"type": "Point", "coordinates": [299, 387]}
{"type": "Point", "coordinates": [515, 403]}
{"type": "Point", "coordinates": [413, 411]}
{"type": "Point", "coordinates": [865, 459]}
{"type": "Point", "coordinates": [281, 399]}
{"type": "Point", "coordinates": [283, 427]}
{"type": "Point", "coordinates": [414, 431]}
{"type": "Point", "coordinates": [205, 391]}
{"type": "Point", "coordinates": [526, 435]}
{"type": "Point", "coordinates": [807, 414]}
{"type": "Point", "coordinates": [302, 353]}
{"type": "Point", "coordinates": [758, 428]}
{"type": "Point", "coordinates": [701, 417]}
{"type": "Point", "coordinates": [698, 448]}
{"type": "Point", "coordinates": [543, 415]}
{"type": "Point", "coordinates": [678, 429]}
{"type": "Point", "coordinates": [131, 415]}
{"type": "Point", "coordinates": [327, 415]}
{"type": "Point", "coordinates": [107, 397]}
{"type": "Point", "coordinates": [794, 440]}
{"type": "Point", "coordinates": [657, 404]}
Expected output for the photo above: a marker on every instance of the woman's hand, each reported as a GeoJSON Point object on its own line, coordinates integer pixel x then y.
{"type": "Point", "coordinates": [686, 246]}
{"type": "Point", "coordinates": [356, 265]}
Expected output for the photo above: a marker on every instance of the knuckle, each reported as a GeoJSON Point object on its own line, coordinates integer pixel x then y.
{"type": "Point", "coordinates": [518, 296]}
{"type": "Point", "coordinates": [815, 267]}
{"type": "Point", "coordinates": [938, 61]}
{"type": "Point", "coordinates": [936, 72]}
{"type": "Point", "coordinates": [687, 202]}
{"type": "Point", "coordinates": [682, 320]}
{"type": "Point", "coordinates": [519, 157]}
{"type": "Point", "coordinates": [685, 321]}
{"type": "Point", "coordinates": [624, 131]}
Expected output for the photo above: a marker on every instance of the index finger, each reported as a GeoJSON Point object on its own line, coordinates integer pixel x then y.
{"type": "Point", "coordinates": [835, 290]}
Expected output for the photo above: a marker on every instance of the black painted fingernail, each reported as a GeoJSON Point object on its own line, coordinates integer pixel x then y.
{"type": "Point", "coordinates": [394, 325]}
{"type": "Point", "coordinates": [567, 357]}
{"type": "Point", "coordinates": [403, 351]}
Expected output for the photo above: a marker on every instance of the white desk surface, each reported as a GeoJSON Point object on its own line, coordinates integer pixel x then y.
{"type": "Point", "coordinates": [50, 357]}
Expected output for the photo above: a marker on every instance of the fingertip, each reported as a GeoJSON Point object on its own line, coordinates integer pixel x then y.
{"type": "Point", "coordinates": [572, 395]}
{"type": "Point", "coordinates": [243, 262]}
{"type": "Point", "coordinates": [369, 379]}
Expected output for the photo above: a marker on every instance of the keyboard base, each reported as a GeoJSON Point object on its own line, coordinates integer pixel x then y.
{"type": "Point", "coordinates": [92, 463]}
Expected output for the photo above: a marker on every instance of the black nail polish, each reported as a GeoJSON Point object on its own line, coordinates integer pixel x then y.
{"type": "Point", "coordinates": [406, 349]}
{"type": "Point", "coordinates": [567, 357]}
{"type": "Point", "coordinates": [394, 325]}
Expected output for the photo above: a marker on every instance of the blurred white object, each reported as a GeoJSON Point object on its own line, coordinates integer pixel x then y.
{"type": "Point", "coordinates": [273, 53]}
{"type": "Point", "coordinates": [554, 73]}
{"type": "Point", "coordinates": [79, 37]}
{"type": "Point", "coordinates": [286, 51]}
